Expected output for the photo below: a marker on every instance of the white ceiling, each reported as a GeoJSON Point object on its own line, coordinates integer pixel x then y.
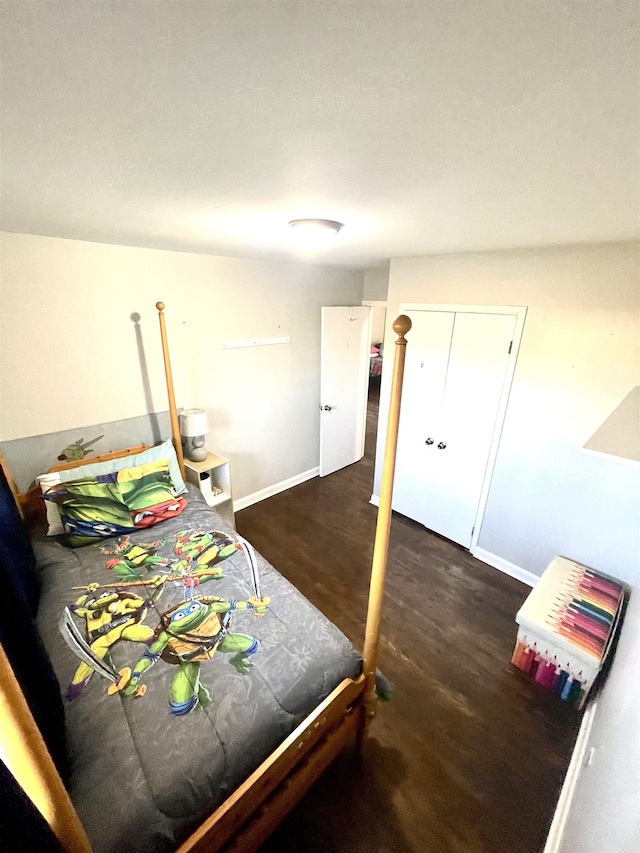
{"type": "Point", "coordinates": [432, 126]}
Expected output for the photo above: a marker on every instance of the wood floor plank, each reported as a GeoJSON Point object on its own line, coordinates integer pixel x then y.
{"type": "Point", "coordinates": [467, 757]}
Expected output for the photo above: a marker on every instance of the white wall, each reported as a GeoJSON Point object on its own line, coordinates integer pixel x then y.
{"type": "Point", "coordinates": [604, 815]}
{"type": "Point", "coordinates": [378, 322]}
{"type": "Point", "coordinates": [579, 357]}
{"type": "Point", "coordinates": [376, 284]}
{"type": "Point", "coordinates": [69, 358]}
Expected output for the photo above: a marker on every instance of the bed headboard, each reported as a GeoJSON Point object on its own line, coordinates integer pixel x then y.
{"type": "Point", "coordinates": [30, 504]}
{"type": "Point", "coordinates": [104, 457]}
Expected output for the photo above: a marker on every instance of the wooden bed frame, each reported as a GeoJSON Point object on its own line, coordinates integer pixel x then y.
{"type": "Point", "coordinates": [246, 819]}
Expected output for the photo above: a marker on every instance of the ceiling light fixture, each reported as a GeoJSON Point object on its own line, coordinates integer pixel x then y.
{"type": "Point", "coordinates": [312, 235]}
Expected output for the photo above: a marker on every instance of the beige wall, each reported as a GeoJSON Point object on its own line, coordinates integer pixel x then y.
{"type": "Point", "coordinates": [376, 284]}
{"type": "Point", "coordinates": [378, 321]}
{"type": "Point", "coordinates": [579, 357]}
{"type": "Point", "coordinates": [604, 815]}
{"type": "Point", "coordinates": [69, 355]}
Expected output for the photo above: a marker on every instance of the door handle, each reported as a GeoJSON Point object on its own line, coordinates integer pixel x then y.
{"type": "Point", "coordinates": [327, 408]}
{"type": "Point", "coordinates": [429, 441]}
{"type": "Point", "coordinates": [441, 445]}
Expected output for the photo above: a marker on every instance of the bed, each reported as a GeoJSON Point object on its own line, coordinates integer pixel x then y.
{"type": "Point", "coordinates": [162, 765]}
{"type": "Point", "coordinates": [221, 699]}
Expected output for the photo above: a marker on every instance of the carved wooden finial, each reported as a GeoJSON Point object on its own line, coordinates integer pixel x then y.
{"type": "Point", "coordinates": [401, 325]}
{"type": "Point", "coordinates": [160, 306]}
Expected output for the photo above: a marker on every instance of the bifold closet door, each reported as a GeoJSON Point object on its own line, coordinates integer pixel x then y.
{"type": "Point", "coordinates": [425, 375]}
{"type": "Point", "coordinates": [449, 419]}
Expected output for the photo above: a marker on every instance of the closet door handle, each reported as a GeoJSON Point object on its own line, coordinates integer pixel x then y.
{"type": "Point", "coordinates": [429, 441]}
{"type": "Point", "coordinates": [441, 445]}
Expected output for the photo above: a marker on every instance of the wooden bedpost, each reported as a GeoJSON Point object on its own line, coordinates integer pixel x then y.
{"type": "Point", "coordinates": [25, 754]}
{"type": "Point", "coordinates": [173, 412]}
{"type": "Point", "coordinates": [401, 326]}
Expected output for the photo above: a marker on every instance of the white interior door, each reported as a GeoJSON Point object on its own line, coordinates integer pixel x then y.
{"type": "Point", "coordinates": [344, 379]}
{"type": "Point", "coordinates": [448, 420]}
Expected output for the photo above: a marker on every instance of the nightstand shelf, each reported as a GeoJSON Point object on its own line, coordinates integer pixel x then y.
{"type": "Point", "coordinates": [213, 478]}
{"type": "Point", "coordinates": [220, 498]}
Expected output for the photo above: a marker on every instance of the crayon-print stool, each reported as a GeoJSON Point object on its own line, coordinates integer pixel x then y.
{"type": "Point", "coordinates": [566, 626]}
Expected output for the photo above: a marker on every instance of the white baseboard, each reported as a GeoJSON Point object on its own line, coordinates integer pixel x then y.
{"type": "Point", "coordinates": [491, 559]}
{"type": "Point", "coordinates": [484, 556]}
{"type": "Point", "coordinates": [505, 566]}
{"type": "Point", "coordinates": [556, 831]}
{"type": "Point", "coordinates": [249, 500]}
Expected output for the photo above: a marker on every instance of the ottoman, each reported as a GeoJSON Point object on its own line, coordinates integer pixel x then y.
{"type": "Point", "coordinates": [566, 626]}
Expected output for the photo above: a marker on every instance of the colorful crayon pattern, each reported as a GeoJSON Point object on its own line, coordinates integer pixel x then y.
{"type": "Point", "coordinates": [585, 612]}
{"type": "Point", "coordinates": [583, 608]}
{"type": "Point", "coordinates": [548, 674]}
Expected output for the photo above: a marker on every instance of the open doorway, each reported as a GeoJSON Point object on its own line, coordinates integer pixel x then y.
{"type": "Point", "coordinates": [376, 361]}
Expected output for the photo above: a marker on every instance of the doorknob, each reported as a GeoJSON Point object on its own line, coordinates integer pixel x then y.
{"type": "Point", "coordinates": [327, 408]}
{"type": "Point", "coordinates": [429, 441]}
{"type": "Point", "coordinates": [441, 445]}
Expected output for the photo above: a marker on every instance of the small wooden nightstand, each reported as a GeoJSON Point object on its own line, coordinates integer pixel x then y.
{"type": "Point", "coordinates": [217, 467]}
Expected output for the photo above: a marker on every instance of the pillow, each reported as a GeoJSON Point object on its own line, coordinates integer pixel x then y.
{"type": "Point", "coordinates": [46, 482]}
{"type": "Point", "coordinates": [116, 503]}
{"type": "Point", "coordinates": [153, 454]}
{"type": "Point", "coordinates": [374, 350]}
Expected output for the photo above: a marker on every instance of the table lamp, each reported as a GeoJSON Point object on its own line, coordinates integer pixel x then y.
{"type": "Point", "coordinates": [193, 428]}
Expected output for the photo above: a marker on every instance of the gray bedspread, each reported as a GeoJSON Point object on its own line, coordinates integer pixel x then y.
{"type": "Point", "coordinates": [142, 778]}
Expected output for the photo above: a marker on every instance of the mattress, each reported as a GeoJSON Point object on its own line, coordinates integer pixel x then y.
{"type": "Point", "coordinates": [148, 769]}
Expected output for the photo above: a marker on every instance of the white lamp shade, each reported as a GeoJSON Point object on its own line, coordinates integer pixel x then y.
{"type": "Point", "coordinates": [193, 422]}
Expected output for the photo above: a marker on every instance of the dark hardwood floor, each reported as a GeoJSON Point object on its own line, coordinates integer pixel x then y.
{"type": "Point", "coordinates": [467, 757]}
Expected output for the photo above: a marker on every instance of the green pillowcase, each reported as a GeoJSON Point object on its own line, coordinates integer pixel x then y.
{"type": "Point", "coordinates": [163, 451]}
{"type": "Point", "coordinates": [115, 503]}
{"type": "Point", "coordinates": [153, 454]}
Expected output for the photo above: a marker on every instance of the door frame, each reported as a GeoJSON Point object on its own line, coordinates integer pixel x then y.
{"type": "Point", "coordinates": [520, 313]}
{"type": "Point", "coordinates": [377, 303]}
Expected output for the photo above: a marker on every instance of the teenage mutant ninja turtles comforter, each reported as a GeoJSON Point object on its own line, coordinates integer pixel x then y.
{"type": "Point", "coordinates": [185, 660]}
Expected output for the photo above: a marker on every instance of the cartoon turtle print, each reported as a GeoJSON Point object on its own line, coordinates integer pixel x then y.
{"type": "Point", "coordinates": [188, 634]}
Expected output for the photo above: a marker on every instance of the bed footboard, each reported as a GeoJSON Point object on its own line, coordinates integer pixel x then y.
{"type": "Point", "coordinates": [246, 819]}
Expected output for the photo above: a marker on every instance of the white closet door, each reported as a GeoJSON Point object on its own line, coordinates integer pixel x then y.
{"type": "Point", "coordinates": [422, 397]}
{"type": "Point", "coordinates": [449, 419]}
{"type": "Point", "coordinates": [476, 373]}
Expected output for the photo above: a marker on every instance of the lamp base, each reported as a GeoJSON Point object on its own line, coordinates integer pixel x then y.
{"type": "Point", "coordinates": [194, 448]}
